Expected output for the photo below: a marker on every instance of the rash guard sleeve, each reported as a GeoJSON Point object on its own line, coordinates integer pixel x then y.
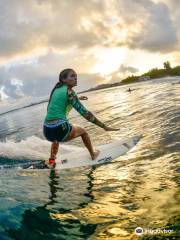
{"type": "Point", "coordinates": [78, 106]}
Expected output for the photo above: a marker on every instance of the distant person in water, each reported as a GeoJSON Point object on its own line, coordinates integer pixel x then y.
{"type": "Point", "coordinates": [56, 126]}
{"type": "Point", "coordinates": [130, 90]}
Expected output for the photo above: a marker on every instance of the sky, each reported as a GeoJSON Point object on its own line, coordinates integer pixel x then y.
{"type": "Point", "coordinates": [104, 41]}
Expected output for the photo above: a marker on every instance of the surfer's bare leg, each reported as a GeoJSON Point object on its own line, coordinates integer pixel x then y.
{"type": "Point", "coordinates": [79, 131]}
{"type": "Point", "coordinates": [87, 142]}
{"type": "Point", "coordinates": [54, 149]}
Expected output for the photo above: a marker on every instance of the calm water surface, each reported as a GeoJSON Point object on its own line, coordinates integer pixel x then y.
{"type": "Point", "coordinates": [139, 189]}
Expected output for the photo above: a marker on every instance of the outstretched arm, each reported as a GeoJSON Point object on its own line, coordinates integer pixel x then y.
{"type": "Point", "coordinates": [74, 101]}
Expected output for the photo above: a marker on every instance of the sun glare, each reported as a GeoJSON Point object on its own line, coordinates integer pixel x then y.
{"type": "Point", "coordinates": [108, 60]}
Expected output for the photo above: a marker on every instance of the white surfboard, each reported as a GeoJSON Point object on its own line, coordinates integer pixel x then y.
{"type": "Point", "coordinates": [108, 152]}
{"type": "Point", "coordinates": [72, 156]}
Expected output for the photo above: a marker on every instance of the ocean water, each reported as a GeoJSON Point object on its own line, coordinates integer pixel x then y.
{"type": "Point", "coordinates": [140, 189]}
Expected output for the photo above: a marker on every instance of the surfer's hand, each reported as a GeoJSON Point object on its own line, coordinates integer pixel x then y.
{"type": "Point", "coordinates": [111, 129]}
{"type": "Point", "coordinates": [83, 98]}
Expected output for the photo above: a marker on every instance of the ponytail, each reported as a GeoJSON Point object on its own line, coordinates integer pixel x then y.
{"type": "Point", "coordinates": [63, 75]}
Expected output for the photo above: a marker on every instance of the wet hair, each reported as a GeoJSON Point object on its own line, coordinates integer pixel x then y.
{"type": "Point", "coordinates": [63, 75]}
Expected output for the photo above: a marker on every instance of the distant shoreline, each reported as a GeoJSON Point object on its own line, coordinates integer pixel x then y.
{"type": "Point", "coordinates": [154, 73]}
{"type": "Point", "coordinates": [109, 85]}
{"type": "Point", "coordinates": [99, 87]}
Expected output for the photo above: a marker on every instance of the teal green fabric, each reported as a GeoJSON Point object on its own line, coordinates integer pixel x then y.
{"type": "Point", "coordinates": [59, 105]}
{"type": "Point", "coordinates": [62, 102]}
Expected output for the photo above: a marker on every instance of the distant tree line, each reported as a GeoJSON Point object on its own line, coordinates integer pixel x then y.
{"type": "Point", "coordinates": [156, 73]}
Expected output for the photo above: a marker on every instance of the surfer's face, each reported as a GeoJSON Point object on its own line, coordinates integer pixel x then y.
{"type": "Point", "coordinates": [71, 79]}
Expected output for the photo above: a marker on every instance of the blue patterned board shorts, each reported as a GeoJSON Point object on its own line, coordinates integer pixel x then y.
{"type": "Point", "coordinates": [57, 131]}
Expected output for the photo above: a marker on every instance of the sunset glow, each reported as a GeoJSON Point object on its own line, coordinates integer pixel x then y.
{"type": "Point", "coordinates": [109, 60]}
{"type": "Point", "coordinates": [103, 41]}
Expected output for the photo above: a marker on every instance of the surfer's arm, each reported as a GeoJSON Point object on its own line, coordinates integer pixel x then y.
{"type": "Point", "coordinates": [75, 102]}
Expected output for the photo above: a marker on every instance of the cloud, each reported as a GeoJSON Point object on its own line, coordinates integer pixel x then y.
{"type": "Point", "coordinates": [39, 38]}
{"type": "Point", "coordinates": [127, 69]}
{"type": "Point", "coordinates": [37, 77]}
{"type": "Point", "coordinates": [3, 95]}
{"type": "Point", "coordinates": [122, 72]}
{"type": "Point", "coordinates": [57, 24]}
{"type": "Point", "coordinates": [174, 9]}
{"type": "Point", "coordinates": [30, 25]}
{"type": "Point", "coordinates": [149, 26]}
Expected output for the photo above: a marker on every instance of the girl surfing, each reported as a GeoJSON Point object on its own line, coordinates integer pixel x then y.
{"type": "Point", "coordinates": [57, 127]}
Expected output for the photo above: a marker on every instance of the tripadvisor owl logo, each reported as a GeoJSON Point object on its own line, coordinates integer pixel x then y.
{"type": "Point", "coordinates": [139, 231]}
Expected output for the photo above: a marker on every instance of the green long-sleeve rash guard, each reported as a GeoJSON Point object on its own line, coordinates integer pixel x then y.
{"type": "Point", "coordinates": [61, 103]}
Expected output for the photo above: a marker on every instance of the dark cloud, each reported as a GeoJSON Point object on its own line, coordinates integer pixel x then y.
{"type": "Point", "coordinates": [127, 69]}
{"type": "Point", "coordinates": [122, 72]}
{"type": "Point", "coordinates": [149, 26]}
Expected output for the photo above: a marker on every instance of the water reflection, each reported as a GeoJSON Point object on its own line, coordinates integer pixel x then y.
{"type": "Point", "coordinates": [47, 222]}
{"type": "Point", "coordinates": [110, 201]}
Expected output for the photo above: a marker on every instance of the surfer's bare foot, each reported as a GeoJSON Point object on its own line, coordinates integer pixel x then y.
{"type": "Point", "coordinates": [95, 154]}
